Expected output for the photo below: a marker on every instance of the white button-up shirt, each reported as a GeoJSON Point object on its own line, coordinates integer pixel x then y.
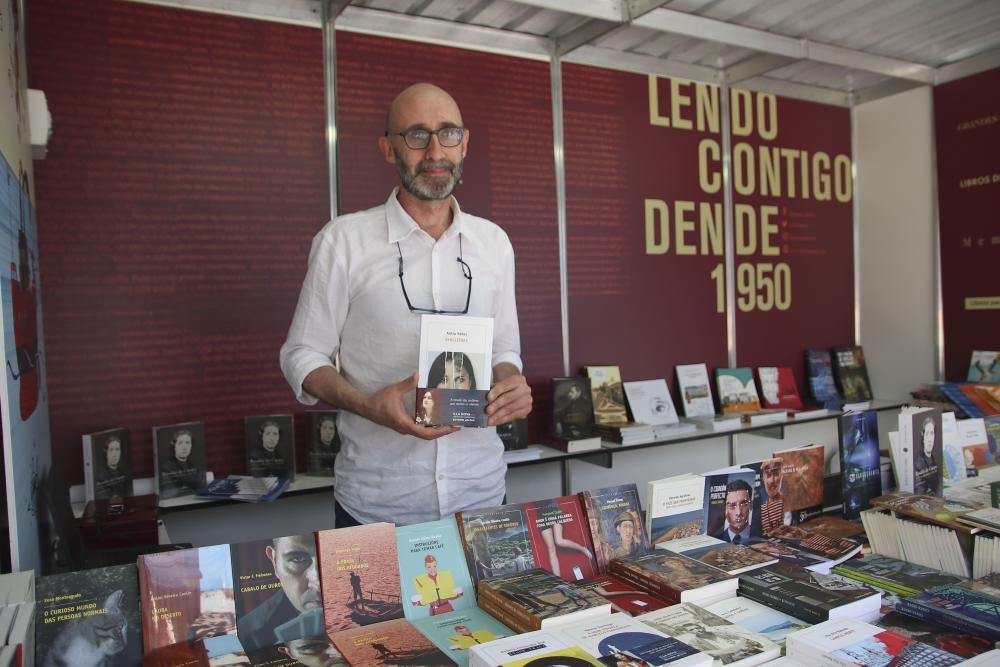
{"type": "Point", "coordinates": [351, 302]}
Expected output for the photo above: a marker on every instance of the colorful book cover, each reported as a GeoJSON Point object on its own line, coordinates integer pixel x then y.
{"type": "Point", "coordinates": [620, 639]}
{"type": "Point", "coordinates": [731, 508]}
{"type": "Point", "coordinates": [851, 374]}
{"type": "Point", "coordinates": [623, 596]}
{"type": "Point", "coordinates": [572, 408]}
{"type": "Point", "coordinates": [769, 497]}
{"type": "Point", "coordinates": [186, 594]}
{"type": "Point", "coordinates": [722, 555]}
{"type": "Point", "coordinates": [785, 553]}
{"type": "Point", "coordinates": [932, 509]}
{"type": "Point", "coordinates": [359, 575]}
{"type": "Point", "coordinates": [675, 507]}
{"type": "Point", "coordinates": [496, 541]}
{"type": "Point", "coordinates": [669, 574]}
{"type": "Point", "coordinates": [936, 635]}
{"type": "Point", "coordinates": [270, 446]}
{"type": "Point", "coordinates": [756, 617]}
{"type": "Point", "coordinates": [650, 402]}
{"type": "Point", "coordinates": [608, 394]}
{"type": "Point", "coordinates": [454, 370]}
{"type": "Point", "coordinates": [778, 388]}
{"type": "Point", "coordinates": [458, 631]}
{"type": "Point", "coordinates": [825, 546]}
{"type": "Point", "coordinates": [322, 442]}
{"type": "Point", "coordinates": [106, 464]}
{"type": "Point", "coordinates": [956, 606]}
{"type": "Point", "coordinates": [180, 459]}
{"type": "Point", "coordinates": [392, 642]}
{"type": "Point", "coordinates": [540, 594]}
{"type": "Point", "coordinates": [275, 581]}
{"type": "Point", "coordinates": [560, 538]}
{"type": "Point", "coordinates": [432, 569]}
{"type": "Point", "coordinates": [986, 397]}
{"type": "Point", "coordinates": [616, 528]}
{"type": "Point", "coordinates": [848, 641]}
{"type": "Point", "coordinates": [89, 615]}
{"type": "Point", "coordinates": [860, 469]}
{"type": "Point", "coordinates": [895, 575]}
{"type": "Point", "coordinates": [819, 367]}
{"type": "Point", "coordinates": [522, 646]}
{"type": "Point", "coordinates": [567, 657]}
{"type": "Point", "coordinates": [802, 476]}
{"type": "Point", "coordinates": [737, 391]}
{"type": "Point", "coordinates": [984, 367]}
{"type": "Point", "coordinates": [696, 393]}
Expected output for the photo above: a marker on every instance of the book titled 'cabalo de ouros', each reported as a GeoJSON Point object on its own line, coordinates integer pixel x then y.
{"type": "Point", "coordinates": [454, 369]}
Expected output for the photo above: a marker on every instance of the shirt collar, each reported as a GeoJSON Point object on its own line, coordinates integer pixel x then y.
{"type": "Point", "coordinates": [399, 224]}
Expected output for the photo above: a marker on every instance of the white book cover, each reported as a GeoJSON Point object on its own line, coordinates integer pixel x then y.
{"type": "Point", "coordinates": [454, 370]}
{"type": "Point", "coordinates": [623, 638]}
{"type": "Point", "coordinates": [695, 390]}
{"type": "Point", "coordinates": [650, 402]}
{"type": "Point", "coordinates": [518, 647]}
{"type": "Point", "coordinates": [758, 618]}
{"type": "Point", "coordinates": [954, 460]}
{"type": "Point", "coordinates": [974, 442]}
{"type": "Point", "coordinates": [848, 641]}
{"type": "Point", "coordinates": [675, 507]}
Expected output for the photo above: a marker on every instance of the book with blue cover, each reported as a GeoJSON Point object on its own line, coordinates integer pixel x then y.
{"type": "Point", "coordinates": [819, 369]}
{"type": "Point", "coordinates": [432, 569]}
{"type": "Point", "coordinates": [957, 607]}
{"type": "Point", "coordinates": [458, 631]}
{"type": "Point", "coordinates": [860, 471]}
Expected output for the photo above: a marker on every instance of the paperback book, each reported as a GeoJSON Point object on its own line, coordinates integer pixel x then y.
{"type": "Point", "coordinates": [759, 618]}
{"type": "Point", "coordinates": [802, 477]}
{"type": "Point", "coordinates": [696, 393]}
{"type": "Point", "coordinates": [778, 388]}
{"type": "Point", "coordinates": [433, 571]}
{"type": "Point", "coordinates": [322, 442]}
{"type": "Point", "coordinates": [894, 575]}
{"type": "Point", "coordinates": [984, 367]}
{"type": "Point", "coordinates": [675, 578]}
{"type": "Point", "coordinates": [860, 466]}
{"type": "Point", "coordinates": [496, 541]}
{"type": "Point", "coordinates": [737, 391]}
{"type": "Point", "coordinates": [852, 374]}
{"type": "Point", "coordinates": [819, 367]}
{"type": "Point", "coordinates": [961, 644]}
{"type": "Point", "coordinates": [245, 489]}
{"type": "Point", "coordinates": [573, 415]}
{"type": "Point", "coordinates": [957, 607]}
{"type": "Point", "coordinates": [270, 446]}
{"type": "Point", "coordinates": [851, 642]}
{"type": "Point", "coordinates": [454, 370]}
{"type": "Point", "coordinates": [180, 459]}
{"type": "Point", "coordinates": [732, 510]}
{"type": "Point", "coordinates": [920, 469]}
{"type": "Point", "coordinates": [537, 599]}
{"type": "Point", "coordinates": [608, 394]}
{"type": "Point", "coordinates": [650, 402]}
{"type": "Point", "coordinates": [391, 642]}
{"type": "Point", "coordinates": [675, 507]}
{"type": "Point", "coordinates": [614, 519]}
{"type": "Point", "coordinates": [106, 472]}
{"type": "Point", "coordinates": [722, 555]}
{"type": "Point", "coordinates": [574, 656]}
{"type": "Point", "coordinates": [458, 631]}
{"type": "Point", "coordinates": [560, 538]}
{"type": "Point", "coordinates": [624, 597]}
{"type": "Point", "coordinates": [621, 640]}
{"type": "Point", "coordinates": [523, 646]}
{"type": "Point", "coordinates": [769, 493]}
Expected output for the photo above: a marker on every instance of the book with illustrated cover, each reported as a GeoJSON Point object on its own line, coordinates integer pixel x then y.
{"type": "Point", "coordinates": [458, 631]}
{"type": "Point", "coordinates": [860, 467]}
{"type": "Point", "coordinates": [624, 597]}
{"type": "Point", "coordinates": [675, 578]}
{"type": "Point", "coordinates": [675, 507]}
{"type": "Point", "coordinates": [957, 607]}
{"type": "Point", "coordinates": [894, 575]}
{"type": "Point", "coordinates": [454, 370]}
{"type": "Point", "coordinates": [802, 476]}
{"type": "Point", "coordinates": [758, 618]}
{"type": "Point", "coordinates": [359, 574]}
{"type": "Point", "coordinates": [984, 367]}
{"type": "Point", "coordinates": [732, 509]}
{"type": "Point", "coordinates": [737, 391]}
{"type": "Point", "coordinates": [322, 442]}
{"type": "Point", "coordinates": [947, 639]}
{"type": "Point", "coordinates": [537, 599]}
{"type": "Point", "coordinates": [695, 390]}
{"type": "Point", "coordinates": [786, 553]}
{"type": "Point", "coordinates": [496, 541]}
{"type": "Point", "coordinates": [778, 388]}
{"type": "Point", "coordinates": [180, 459]}
{"type": "Point", "coordinates": [186, 594]}
{"type": "Point", "coordinates": [106, 472]}
{"type": "Point", "coordinates": [574, 656]}
{"type": "Point", "coordinates": [573, 415]}
{"type": "Point", "coordinates": [433, 570]}
{"type": "Point", "coordinates": [88, 614]}
{"type": "Point", "coordinates": [392, 642]}
{"type": "Point", "coordinates": [650, 402]}
{"type": "Point", "coordinates": [619, 639]}
{"type": "Point", "coordinates": [819, 369]}
{"type": "Point", "coordinates": [270, 446]}
{"type": "Point", "coordinates": [852, 374]}
{"type": "Point", "coordinates": [722, 555]}
{"type": "Point", "coordinates": [726, 642]}
{"type": "Point", "coordinates": [616, 528]}
{"type": "Point", "coordinates": [608, 394]}
{"type": "Point", "coordinates": [560, 538]}
{"type": "Point", "coordinates": [851, 642]}
{"type": "Point", "coordinates": [827, 547]}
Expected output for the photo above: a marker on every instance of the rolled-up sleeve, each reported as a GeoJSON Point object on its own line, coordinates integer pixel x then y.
{"type": "Point", "coordinates": [506, 332]}
{"type": "Point", "coordinates": [314, 336]}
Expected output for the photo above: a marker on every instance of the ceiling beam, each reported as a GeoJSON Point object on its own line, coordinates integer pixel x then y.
{"type": "Point", "coordinates": [799, 91]}
{"type": "Point", "coordinates": [755, 66]}
{"type": "Point", "coordinates": [295, 12]}
{"type": "Point", "coordinates": [584, 34]}
{"type": "Point", "coordinates": [973, 65]}
{"type": "Point", "coordinates": [638, 63]}
{"type": "Point", "coordinates": [884, 89]}
{"type": "Point", "coordinates": [605, 10]}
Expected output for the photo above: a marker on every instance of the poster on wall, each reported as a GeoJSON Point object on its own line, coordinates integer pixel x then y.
{"type": "Point", "coordinates": [23, 395]}
{"type": "Point", "coordinates": [967, 126]}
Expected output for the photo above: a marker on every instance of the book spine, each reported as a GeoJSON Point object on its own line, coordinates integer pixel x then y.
{"type": "Point", "coordinates": [504, 617]}
{"type": "Point", "coordinates": [948, 618]}
{"type": "Point", "coordinates": [766, 596]}
{"type": "Point", "coordinates": [524, 619]}
{"type": "Point", "coordinates": [146, 608]}
{"type": "Point", "coordinates": [636, 577]}
{"type": "Point", "coordinates": [88, 468]}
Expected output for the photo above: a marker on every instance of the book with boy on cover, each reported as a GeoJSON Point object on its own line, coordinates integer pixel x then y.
{"type": "Point", "coordinates": [186, 594]}
{"type": "Point", "coordinates": [180, 459]}
{"type": "Point", "coordinates": [621, 640]}
{"type": "Point", "coordinates": [458, 631]}
{"type": "Point", "coordinates": [778, 388]}
{"type": "Point", "coordinates": [391, 642]}
{"type": "Point", "coordinates": [819, 370]}
{"type": "Point", "coordinates": [801, 478]}
{"type": "Point", "coordinates": [851, 374]}
{"type": "Point", "coordinates": [432, 569]}
{"type": "Point", "coordinates": [454, 370]}
{"type": "Point", "coordinates": [737, 391]}
{"type": "Point", "coordinates": [696, 393]}
{"type": "Point", "coordinates": [675, 507]}
{"type": "Point", "coordinates": [573, 415]}
{"type": "Point", "coordinates": [270, 446]}
{"type": "Point", "coordinates": [534, 599]}
{"type": "Point", "coordinates": [860, 468]}
{"type": "Point", "coordinates": [88, 615]}
{"type": "Point", "coordinates": [608, 394]}
{"type": "Point", "coordinates": [496, 541]}
{"type": "Point", "coordinates": [616, 527]}
{"type": "Point", "coordinates": [984, 366]}
{"type": "Point", "coordinates": [726, 642]}
{"type": "Point", "coordinates": [675, 578]}
{"type": "Point", "coordinates": [322, 442]}
{"type": "Point", "coordinates": [560, 538]}
{"type": "Point", "coordinates": [106, 471]}
{"type": "Point", "coordinates": [732, 509]}
{"type": "Point", "coordinates": [359, 575]}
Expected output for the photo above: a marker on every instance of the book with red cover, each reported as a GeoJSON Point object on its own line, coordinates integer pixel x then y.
{"type": "Point", "coordinates": [359, 575]}
{"type": "Point", "coordinates": [560, 538]}
{"type": "Point", "coordinates": [778, 388]}
{"type": "Point", "coordinates": [802, 477]}
{"type": "Point", "coordinates": [186, 594]}
{"type": "Point", "coordinates": [394, 642]}
{"type": "Point", "coordinates": [623, 596]}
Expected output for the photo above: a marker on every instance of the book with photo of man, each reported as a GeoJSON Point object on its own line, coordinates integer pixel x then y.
{"type": "Point", "coordinates": [860, 466]}
{"type": "Point", "coordinates": [270, 446]}
{"type": "Point", "coordinates": [851, 374]}
{"type": "Point", "coordinates": [432, 569]}
{"type": "Point", "coordinates": [732, 508]}
{"type": "Point", "coordinates": [614, 516]}
{"type": "Point", "coordinates": [179, 463]}
{"type": "Point", "coordinates": [322, 442]}
{"type": "Point", "coordinates": [572, 416]}
{"type": "Point", "coordinates": [769, 492]}
{"type": "Point", "coordinates": [106, 472]}
{"type": "Point", "coordinates": [608, 395]}
{"type": "Point", "coordinates": [454, 370]}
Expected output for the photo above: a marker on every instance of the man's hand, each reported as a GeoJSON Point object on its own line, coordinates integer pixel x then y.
{"type": "Point", "coordinates": [385, 407]}
{"type": "Point", "coordinates": [508, 399]}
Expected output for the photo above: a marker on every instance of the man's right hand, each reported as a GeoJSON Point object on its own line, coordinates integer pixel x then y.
{"type": "Point", "coordinates": [386, 407]}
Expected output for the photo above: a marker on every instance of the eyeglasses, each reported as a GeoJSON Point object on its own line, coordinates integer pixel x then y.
{"type": "Point", "coordinates": [466, 271]}
{"type": "Point", "coordinates": [418, 139]}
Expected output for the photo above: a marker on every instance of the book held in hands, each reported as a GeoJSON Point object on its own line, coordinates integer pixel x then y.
{"type": "Point", "coordinates": [454, 370]}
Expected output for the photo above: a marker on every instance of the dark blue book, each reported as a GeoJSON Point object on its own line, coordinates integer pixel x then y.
{"type": "Point", "coordinates": [956, 607]}
{"type": "Point", "coordinates": [819, 367]}
{"type": "Point", "coordinates": [860, 474]}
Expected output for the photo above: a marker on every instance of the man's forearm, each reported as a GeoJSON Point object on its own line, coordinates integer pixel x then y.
{"type": "Point", "coordinates": [504, 370]}
{"type": "Point", "coordinates": [329, 386]}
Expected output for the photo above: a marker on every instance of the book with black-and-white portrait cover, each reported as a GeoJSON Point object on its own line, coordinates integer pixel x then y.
{"type": "Point", "coordinates": [180, 462]}
{"type": "Point", "coordinates": [106, 464]}
{"type": "Point", "coordinates": [270, 446]}
{"type": "Point", "coordinates": [454, 370]}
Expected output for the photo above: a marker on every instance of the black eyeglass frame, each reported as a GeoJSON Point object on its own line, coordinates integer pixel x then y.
{"type": "Point", "coordinates": [405, 134]}
{"type": "Point", "coordinates": [466, 271]}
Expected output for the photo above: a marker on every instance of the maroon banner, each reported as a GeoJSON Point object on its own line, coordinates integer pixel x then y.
{"type": "Point", "coordinates": [644, 228]}
{"type": "Point", "coordinates": [793, 229]}
{"type": "Point", "coordinates": [967, 128]}
{"type": "Point", "coordinates": [509, 175]}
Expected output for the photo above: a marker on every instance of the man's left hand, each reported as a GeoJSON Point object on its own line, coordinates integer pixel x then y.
{"type": "Point", "coordinates": [508, 399]}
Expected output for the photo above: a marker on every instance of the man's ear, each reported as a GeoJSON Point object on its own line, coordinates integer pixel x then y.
{"type": "Point", "coordinates": [284, 649]}
{"type": "Point", "coordinates": [385, 148]}
{"type": "Point", "coordinates": [465, 143]}
{"type": "Point", "coordinates": [269, 552]}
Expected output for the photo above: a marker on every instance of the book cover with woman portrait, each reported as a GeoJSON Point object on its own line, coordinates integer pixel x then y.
{"type": "Point", "coordinates": [270, 446]}
{"type": "Point", "coordinates": [454, 370]}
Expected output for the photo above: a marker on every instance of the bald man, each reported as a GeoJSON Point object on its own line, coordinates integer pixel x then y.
{"type": "Point", "coordinates": [371, 276]}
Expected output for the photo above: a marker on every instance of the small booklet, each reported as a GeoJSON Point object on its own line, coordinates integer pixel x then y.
{"type": "Point", "coordinates": [246, 489]}
{"type": "Point", "coordinates": [454, 369]}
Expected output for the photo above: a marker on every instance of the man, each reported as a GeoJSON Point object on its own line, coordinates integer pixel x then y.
{"type": "Point", "coordinates": [435, 589]}
{"type": "Point", "coordinates": [739, 502]}
{"type": "Point", "coordinates": [293, 559]}
{"type": "Point", "coordinates": [773, 509]}
{"type": "Point", "coordinates": [304, 640]}
{"type": "Point", "coordinates": [371, 275]}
